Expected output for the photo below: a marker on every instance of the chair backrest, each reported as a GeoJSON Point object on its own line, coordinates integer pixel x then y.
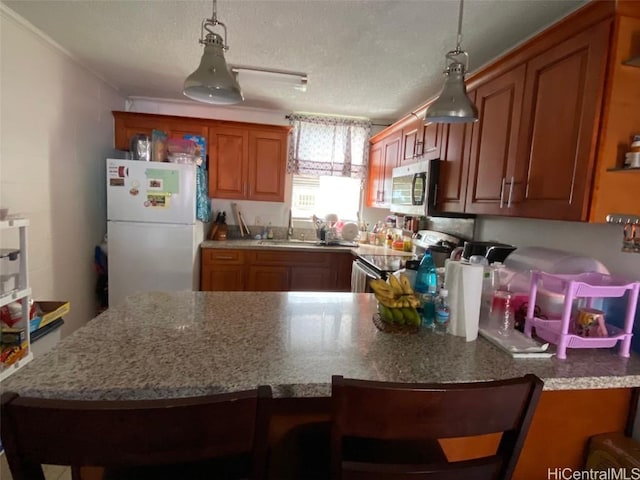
{"type": "Point", "coordinates": [120, 434]}
{"type": "Point", "coordinates": [407, 411]}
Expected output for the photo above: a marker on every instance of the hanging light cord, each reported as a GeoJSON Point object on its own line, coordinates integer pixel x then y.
{"type": "Point", "coordinates": [208, 24]}
{"type": "Point", "coordinates": [453, 55]}
{"type": "Point", "coordinates": [458, 48]}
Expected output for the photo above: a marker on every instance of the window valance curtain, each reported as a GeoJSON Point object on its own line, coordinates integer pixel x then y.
{"type": "Point", "coordinates": [333, 146]}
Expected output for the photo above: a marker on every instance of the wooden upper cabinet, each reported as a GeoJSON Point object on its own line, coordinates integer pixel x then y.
{"type": "Point", "coordinates": [454, 168]}
{"type": "Point", "coordinates": [247, 161]}
{"type": "Point", "coordinates": [494, 143]}
{"type": "Point", "coordinates": [228, 162]}
{"type": "Point", "coordinates": [384, 156]}
{"type": "Point", "coordinates": [374, 181]}
{"type": "Point", "coordinates": [247, 164]}
{"type": "Point", "coordinates": [559, 128]}
{"type": "Point", "coordinates": [431, 141]}
{"type": "Point", "coordinates": [409, 144]}
{"type": "Point", "coordinates": [267, 165]}
{"type": "Point", "coordinates": [391, 158]}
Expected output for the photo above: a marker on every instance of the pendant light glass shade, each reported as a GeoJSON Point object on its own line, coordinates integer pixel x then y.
{"type": "Point", "coordinates": [213, 81]}
{"type": "Point", "coordinates": [453, 105]}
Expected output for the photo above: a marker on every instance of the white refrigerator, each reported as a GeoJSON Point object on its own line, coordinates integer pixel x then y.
{"type": "Point", "coordinates": [153, 234]}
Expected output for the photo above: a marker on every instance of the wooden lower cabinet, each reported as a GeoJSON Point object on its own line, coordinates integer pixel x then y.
{"type": "Point", "coordinates": [267, 278]}
{"type": "Point", "coordinates": [313, 278]}
{"type": "Point", "coordinates": [279, 270]}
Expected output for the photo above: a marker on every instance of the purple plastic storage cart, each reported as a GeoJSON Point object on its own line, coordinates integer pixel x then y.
{"type": "Point", "coordinates": [585, 285]}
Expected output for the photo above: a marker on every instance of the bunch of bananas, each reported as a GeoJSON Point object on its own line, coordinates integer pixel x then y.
{"type": "Point", "coordinates": [396, 300]}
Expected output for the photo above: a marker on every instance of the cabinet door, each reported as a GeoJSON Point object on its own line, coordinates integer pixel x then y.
{"type": "Point", "coordinates": [454, 168]}
{"type": "Point", "coordinates": [312, 279]}
{"type": "Point", "coordinates": [494, 142]}
{"type": "Point", "coordinates": [228, 278]}
{"type": "Point", "coordinates": [267, 165]}
{"type": "Point", "coordinates": [391, 157]}
{"type": "Point", "coordinates": [562, 99]}
{"type": "Point", "coordinates": [267, 278]}
{"type": "Point", "coordinates": [228, 162]}
{"type": "Point", "coordinates": [374, 181]}
{"type": "Point", "coordinates": [410, 145]}
{"type": "Point", "coordinates": [432, 140]}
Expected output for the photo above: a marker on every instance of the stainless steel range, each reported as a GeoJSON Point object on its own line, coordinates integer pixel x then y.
{"type": "Point", "coordinates": [368, 267]}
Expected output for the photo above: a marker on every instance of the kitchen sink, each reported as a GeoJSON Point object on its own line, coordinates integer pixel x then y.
{"type": "Point", "coordinates": [300, 243]}
{"type": "Point", "coordinates": [293, 241]}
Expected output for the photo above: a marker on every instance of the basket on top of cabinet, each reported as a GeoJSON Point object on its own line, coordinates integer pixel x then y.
{"type": "Point", "coordinates": [588, 286]}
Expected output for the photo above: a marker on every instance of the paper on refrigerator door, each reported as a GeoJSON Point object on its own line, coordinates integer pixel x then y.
{"type": "Point", "coordinates": [464, 283]}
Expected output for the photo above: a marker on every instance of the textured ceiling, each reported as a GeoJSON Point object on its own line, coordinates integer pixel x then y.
{"type": "Point", "coordinates": [371, 58]}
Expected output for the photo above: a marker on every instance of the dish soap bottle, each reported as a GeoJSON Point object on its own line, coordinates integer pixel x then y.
{"type": "Point", "coordinates": [426, 287]}
{"type": "Point", "coordinates": [270, 232]}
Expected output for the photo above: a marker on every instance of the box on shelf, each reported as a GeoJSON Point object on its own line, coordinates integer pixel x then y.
{"type": "Point", "coordinates": [50, 312]}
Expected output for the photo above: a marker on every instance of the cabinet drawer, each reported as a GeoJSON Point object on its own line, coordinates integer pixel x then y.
{"type": "Point", "coordinates": [212, 256]}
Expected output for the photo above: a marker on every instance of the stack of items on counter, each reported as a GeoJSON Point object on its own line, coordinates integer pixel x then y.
{"type": "Point", "coordinates": [42, 317]}
{"type": "Point", "coordinates": [522, 301]}
{"type": "Point", "coordinates": [395, 233]}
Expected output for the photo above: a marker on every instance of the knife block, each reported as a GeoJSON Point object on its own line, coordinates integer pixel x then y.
{"type": "Point", "coordinates": [221, 232]}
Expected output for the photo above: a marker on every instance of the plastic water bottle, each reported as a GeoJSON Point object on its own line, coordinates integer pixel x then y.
{"type": "Point", "coordinates": [426, 285]}
{"type": "Point", "coordinates": [442, 311]}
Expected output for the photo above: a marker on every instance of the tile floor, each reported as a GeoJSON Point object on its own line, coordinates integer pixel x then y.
{"type": "Point", "coordinates": [51, 472]}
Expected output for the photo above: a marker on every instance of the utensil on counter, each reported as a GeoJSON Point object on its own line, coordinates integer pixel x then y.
{"type": "Point", "coordinates": [244, 224]}
{"type": "Point", "coordinates": [236, 215]}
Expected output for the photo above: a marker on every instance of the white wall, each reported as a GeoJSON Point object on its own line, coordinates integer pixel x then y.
{"type": "Point", "coordinates": [56, 128]}
{"type": "Point", "coordinates": [601, 241]}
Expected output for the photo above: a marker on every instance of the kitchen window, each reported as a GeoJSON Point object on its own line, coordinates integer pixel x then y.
{"type": "Point", "coordinates": [325, 194]}
{"type": "Point", "coordinates": [328, 160]}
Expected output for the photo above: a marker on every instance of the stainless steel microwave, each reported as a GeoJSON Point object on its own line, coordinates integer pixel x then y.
{"type": "Point", "coordinates": [415, 187]}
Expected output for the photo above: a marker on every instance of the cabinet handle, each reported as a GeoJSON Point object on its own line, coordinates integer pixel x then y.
{"type": "Point", "coordinates": [504, 179]}
{"type": "Point", "coordinates": [224, 257]}
{"type": "Point", "coordinates": [435, 196]}
{"type": "Point", "coordinates": [432, 149]}
{"type": "Point", "coordinates": [510, 193]}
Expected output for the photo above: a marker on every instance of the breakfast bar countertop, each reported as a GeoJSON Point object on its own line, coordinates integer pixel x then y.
{"type": "Point", "coordinates": [164, 344]}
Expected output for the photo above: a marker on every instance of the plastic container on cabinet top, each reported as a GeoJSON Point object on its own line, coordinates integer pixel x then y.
{"type": "Point", "coordinates": [589, 286]}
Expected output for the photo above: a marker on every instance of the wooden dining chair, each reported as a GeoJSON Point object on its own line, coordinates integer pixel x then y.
{"type": "Point", "coordinates": [387, 413]}
{"type": "Point", "coordinates": [215, 436]}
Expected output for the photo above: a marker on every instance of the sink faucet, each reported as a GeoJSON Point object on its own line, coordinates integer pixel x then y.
{"type": "Point", "coordinates": [290, 227]}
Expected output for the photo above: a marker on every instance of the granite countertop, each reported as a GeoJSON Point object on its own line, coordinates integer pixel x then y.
{"type": "Point", "coordinates": [361, 249]}
{"type": "Point", "coordinates": [196, 343]}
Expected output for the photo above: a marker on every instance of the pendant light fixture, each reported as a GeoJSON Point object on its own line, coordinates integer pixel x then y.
{"type": "Point", "coordinates": [213, 81]}
{"type": "Point", "coordinates": [453, 105]}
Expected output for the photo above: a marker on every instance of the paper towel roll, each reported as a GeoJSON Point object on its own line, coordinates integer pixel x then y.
{"type": "Point", "coordinates": [464, 283]}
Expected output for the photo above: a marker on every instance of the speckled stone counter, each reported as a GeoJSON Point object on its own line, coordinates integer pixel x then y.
{"type": "Point", "coordinates": [362, 249]}
{"type": "Point", "coordinates": [196, 343]}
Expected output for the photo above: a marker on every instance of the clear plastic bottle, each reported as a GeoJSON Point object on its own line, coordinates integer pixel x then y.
{"type": "Point", "coordinates": [426, 286]}
{"type": "Point", "coordinates": [442, 311]}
